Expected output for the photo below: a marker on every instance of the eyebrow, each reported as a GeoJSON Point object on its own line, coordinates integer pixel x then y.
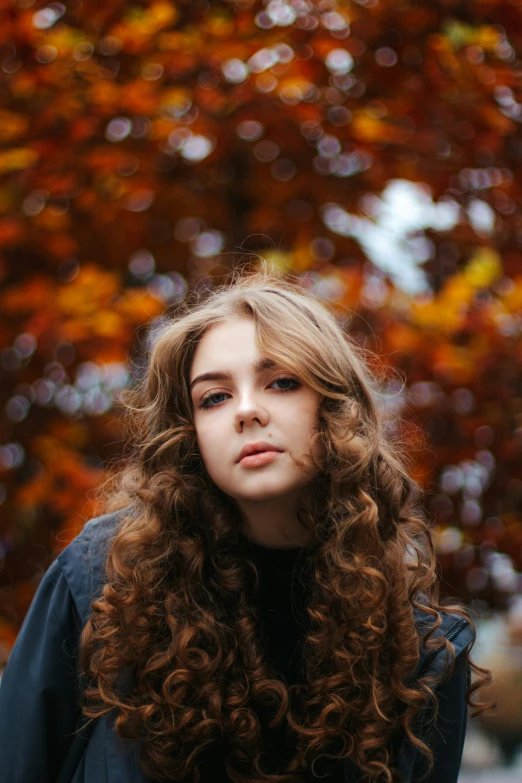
{"type": "Point", "coordinates": [259, 366]}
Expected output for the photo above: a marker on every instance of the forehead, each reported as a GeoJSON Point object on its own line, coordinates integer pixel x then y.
{"type": "Point", "coordinates": [231, 342]}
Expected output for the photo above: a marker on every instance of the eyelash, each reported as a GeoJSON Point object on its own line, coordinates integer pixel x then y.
{"type": "Point", "coordinates": [204, 406]}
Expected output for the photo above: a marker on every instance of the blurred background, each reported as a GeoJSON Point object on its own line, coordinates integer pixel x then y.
{"type": "Point", "coordinates": [370, 148]}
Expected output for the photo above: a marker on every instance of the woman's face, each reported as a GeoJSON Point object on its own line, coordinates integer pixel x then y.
{"type": "Point", "coordinates": [252, 404]}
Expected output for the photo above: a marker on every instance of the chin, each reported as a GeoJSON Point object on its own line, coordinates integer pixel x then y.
{"type": "Point", "coordinates": [259, 497]}
{"type": "Point", "coordinates": [260, 493]}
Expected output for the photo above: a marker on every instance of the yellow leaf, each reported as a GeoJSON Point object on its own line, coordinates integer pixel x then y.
{"type": "Point", "coordinates": [439, 315]}
{"type": "Point", "coordinates": [104, 94]}
{"type": "Point", "coordinates": [12, 125]}
{"type": "Point", "coordinates": [175, 100]}
{"type": "Point", "coordinates": [50, 221]}
{"type": "Point", "coordinates": [456, 362]}
{"type": "Point", "coordinates": [106, 323]}
{"type": "Point", "coordinates": [23, 85]}
{"type": "Point", "coordinates": [18, 158]}
{"type": "Point", "coordinates": [512, 300]}
{"type": "Point", "coordinates": [139, 25]}
{"type": "Point", "coordinates": [138, 305]}
{"type": "Point", "coordinates": [488, 38]}
{"type": "Point", "coordinates": [187, 41]}
{"type": "Point", "coordinates": [446, 312]}
{"type": "Point", "coordinates": [483, 268]}
{"type": "Point", "coordinates": [63, 38]}
{"type": "Point", "coordinates": [402, 337]}
{"type": "Point", "coordinates": [279, 261]}
{"type": "Point", "coordinates": [162, 14]}
{"type": "Point", "coordinates": [91, 288]}
{"type": "Point", "coordinates": [365, 127]}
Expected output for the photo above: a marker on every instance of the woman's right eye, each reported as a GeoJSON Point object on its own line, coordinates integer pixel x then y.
{"type": "Point", "coordinates": [204, 404]}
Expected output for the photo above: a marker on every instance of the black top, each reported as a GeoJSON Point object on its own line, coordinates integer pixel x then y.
{"type": "Point", "coordinates": [282, 612]}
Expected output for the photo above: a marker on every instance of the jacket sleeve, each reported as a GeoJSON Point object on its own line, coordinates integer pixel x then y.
{"type": "Point", "coordinates": [39, 690]}
{"type": "Point", "coordinates": [446, 735]}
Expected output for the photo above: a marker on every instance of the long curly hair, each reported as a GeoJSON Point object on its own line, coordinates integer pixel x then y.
{"type": "Point", "coordinates": [177, 615]}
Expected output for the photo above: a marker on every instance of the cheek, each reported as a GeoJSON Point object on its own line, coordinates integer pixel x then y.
{"type": "Point", "coordinates": [305, 420]}
{"type": "Point", "coordinates": [210, 442]}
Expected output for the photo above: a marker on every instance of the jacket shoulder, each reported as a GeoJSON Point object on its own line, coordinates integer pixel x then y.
{"type": "Point", "coordinates": [455, 628]}
{"type": "Point", "coordinates": [83, 560]}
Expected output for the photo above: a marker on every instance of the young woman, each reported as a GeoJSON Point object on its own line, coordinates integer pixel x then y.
{"type": "Point", "coordinates": [259, 601]}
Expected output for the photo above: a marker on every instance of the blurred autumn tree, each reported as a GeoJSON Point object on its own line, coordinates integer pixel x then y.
{"type": "Point", "coordinates": [142, 144]}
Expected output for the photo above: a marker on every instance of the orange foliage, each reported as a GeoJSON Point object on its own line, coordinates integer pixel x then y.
{"type": "Point", "coordinates": [142, 147]}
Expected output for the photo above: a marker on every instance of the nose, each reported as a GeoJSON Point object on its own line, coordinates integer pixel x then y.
{"type": "Point", "coordinates": [249, 410]}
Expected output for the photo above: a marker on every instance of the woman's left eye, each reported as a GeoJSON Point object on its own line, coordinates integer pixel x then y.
{"type": "Point", "coordinates": [294, 384]}
{"type": "Point", "coordinates": [291, 380]}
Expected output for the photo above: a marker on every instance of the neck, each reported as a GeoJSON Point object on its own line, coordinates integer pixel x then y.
{"type": "Point", "coordinates": [274, 523]}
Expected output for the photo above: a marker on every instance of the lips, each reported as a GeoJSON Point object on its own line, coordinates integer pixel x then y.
{"type": "Point", "coordinates": [255, 448]}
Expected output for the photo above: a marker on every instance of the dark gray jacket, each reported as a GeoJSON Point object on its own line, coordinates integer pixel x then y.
{"type": "Point", "coordinates": [39, 714]}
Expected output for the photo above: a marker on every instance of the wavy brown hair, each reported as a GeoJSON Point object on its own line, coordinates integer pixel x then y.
{"type": "Point", "coordinates": [176, 619]}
